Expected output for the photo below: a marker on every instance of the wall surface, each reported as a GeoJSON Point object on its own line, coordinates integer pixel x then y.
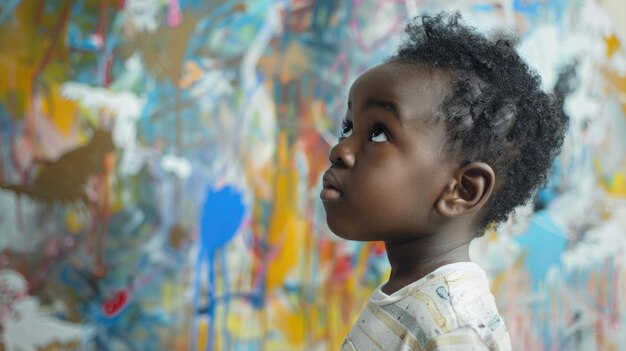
{"type": "Point", "coordinates": [160, 164]}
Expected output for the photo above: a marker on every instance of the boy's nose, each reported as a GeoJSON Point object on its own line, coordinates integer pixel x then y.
{"type": "Point", "coordinates": [341, 155]}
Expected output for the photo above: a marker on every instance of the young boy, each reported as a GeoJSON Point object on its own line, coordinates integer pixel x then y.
{"type": "Point", "coordinates": [445, 138]}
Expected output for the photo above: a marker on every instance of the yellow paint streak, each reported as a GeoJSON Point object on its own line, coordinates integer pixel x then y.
{"type": "Point", "coordinates": [615, 85]}
{"type": "Point", "coordinates": [289, 321]}
{"type": "Point", "coordinates": [287, 227]}
{"type": "Point", "coordinates": [60, 110]}
{"type": "Point", "coordinates": [203, 334]}
{"type": "Point", "coordinates": [15, 84]}
{"type": "Point", "coordinates": [242, 327]}
{"type": "Point", "coordinates": [72, 222]}
{"type": "Point", "coordinates": [16, 87]}
{"type": "Point", "coordinates": [354, 279]}
{"type": "Point", "coordinates": [618, 185]}
{"type": "Point", "coordinates": [612, 45]}
{"type": "Point", "coordinates": [615, 186]}
{"type": "Point", "coordinates": [317, 329]}
{"type": "Point", "coordinates": [24, 48]}
{"type": "Point", "coordinates": [168, 296]}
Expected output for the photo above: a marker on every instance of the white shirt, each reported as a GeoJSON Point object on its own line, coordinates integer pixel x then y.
{"type": "Point", "coordinates": [450, 309]}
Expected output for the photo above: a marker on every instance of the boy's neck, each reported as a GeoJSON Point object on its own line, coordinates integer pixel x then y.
{"type": "Point", "coordinates": [413, 260]}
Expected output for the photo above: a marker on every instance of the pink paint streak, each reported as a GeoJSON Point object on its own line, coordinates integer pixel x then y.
{"type": "Point", "coordinates": [174, 16]}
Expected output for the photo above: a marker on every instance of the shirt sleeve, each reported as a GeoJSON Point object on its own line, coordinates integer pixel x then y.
{"type": "Point", "coordinates": [462, 339]}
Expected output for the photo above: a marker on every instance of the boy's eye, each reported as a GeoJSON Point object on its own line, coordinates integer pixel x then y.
{"type": "Point", "coordinates": [346, 129]}
{"type": "Point", "coordinates": [379, 135]}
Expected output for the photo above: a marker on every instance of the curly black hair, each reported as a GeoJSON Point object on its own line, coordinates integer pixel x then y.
{"type": "Point", "coordinates": [495, 111]}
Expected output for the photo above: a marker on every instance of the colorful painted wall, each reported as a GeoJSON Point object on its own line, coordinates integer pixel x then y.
{"type": "Point", "coordinates": [160, 164]}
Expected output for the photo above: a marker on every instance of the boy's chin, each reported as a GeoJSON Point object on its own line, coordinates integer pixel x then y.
{"type": "Point", "coordinates": [345, 234]}
{"type": "Point", "coordinates": [337, 230]}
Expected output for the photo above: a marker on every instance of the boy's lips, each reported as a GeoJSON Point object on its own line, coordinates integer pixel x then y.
{"type": "Point", "coordinates": [331, 188]}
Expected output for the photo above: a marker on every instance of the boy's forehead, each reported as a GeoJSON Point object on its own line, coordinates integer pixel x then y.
{"type": "Point", "coordinates": [404, 75]}
{"type": "Point", "coordinates": [417, 89]}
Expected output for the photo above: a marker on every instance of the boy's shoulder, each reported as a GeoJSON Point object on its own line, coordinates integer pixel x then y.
{"type": "Point", "coordinates": [454, 296]}
{"type": "Point", "coordinates": [452, 304]}
{"type": "Point", "coordinates": [452, 283]}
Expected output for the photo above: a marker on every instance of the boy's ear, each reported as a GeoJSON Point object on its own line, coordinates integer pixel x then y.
{"type": "Point", "coordinates": [468, 191]}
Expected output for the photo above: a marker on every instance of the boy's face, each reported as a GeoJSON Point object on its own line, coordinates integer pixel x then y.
{"type": "Point", "coordinates": [389, 168]}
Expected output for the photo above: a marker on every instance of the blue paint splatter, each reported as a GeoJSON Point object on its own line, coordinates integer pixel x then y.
{"type": "Point", "coordinates": [543, 242]}
{"type": "Point", "coordinates": [221, 216]}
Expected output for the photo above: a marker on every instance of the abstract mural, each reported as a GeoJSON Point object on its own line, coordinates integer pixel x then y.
{"type": "Point", "coordinates": [160, 164]}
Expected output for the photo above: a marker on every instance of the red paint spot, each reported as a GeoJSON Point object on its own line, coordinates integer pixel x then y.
{"type": "Point", "coordinates": [342, 269]}
{"type": "Point", "coordinates": [115, 304]}
{"type": "Point", "coordinates": [378, 248]}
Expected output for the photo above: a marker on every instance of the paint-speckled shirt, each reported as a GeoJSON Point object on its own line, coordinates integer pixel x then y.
{"type": "Point", "coordinates": [450, 309]}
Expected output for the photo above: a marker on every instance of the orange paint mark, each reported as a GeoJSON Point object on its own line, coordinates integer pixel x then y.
{"type": "Point", "coordinates": [192, 73]}
{"type": "Point", "coordinates": [378, 248]}
{"type": "Point", "coordinates": [289, 65]}
{"type": "Point", "coordinates": [616, 85]}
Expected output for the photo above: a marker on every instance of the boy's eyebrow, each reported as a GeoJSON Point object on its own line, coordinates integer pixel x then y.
{"type": "Point", "coordinates": [387, 105]}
